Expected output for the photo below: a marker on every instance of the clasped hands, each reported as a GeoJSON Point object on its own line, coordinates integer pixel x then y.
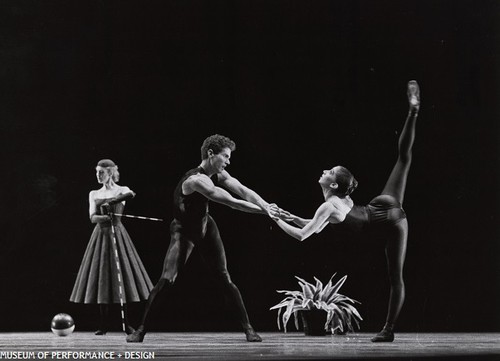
{"type": "Point", "coordinates": [276, 213]}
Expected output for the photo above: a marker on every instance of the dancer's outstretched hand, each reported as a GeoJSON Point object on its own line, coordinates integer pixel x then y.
{"type": "Point", "coordinates": [286, 216]}
{"type": "Point", "coordinates": [273, 210]}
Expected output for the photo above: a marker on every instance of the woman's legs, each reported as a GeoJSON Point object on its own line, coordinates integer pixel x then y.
{"type": "Point", "coordinates": [178, 253]}
{"type": "Point", "coordinates": [396, 244]}
{"type": "Point", "coordinates": [396, 184]}
{"type": "Point", "coordinates": [103, 319]}
{"type": "Point", "coordinates": [395, 252]}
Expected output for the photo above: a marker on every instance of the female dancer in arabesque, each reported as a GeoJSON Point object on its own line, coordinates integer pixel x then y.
{"type": "Point", "coordinates": [384, 214]}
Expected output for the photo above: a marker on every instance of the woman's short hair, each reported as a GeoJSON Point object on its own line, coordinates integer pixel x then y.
{"type": "Point", "coordinates": [216, 142]}
{"type": "Point", "coordinates": [111, 167]}
{"type": "Point", "coordinates": [346, 181]}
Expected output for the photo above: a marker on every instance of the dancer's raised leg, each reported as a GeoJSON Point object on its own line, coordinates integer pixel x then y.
{"type": "Point", "coordinates": [397, 239]}
{"type": "Point", "coordinates": [396, 184]}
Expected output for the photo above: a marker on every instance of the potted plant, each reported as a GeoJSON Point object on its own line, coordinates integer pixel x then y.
{"type": "Point", "coordinates": [337, 311]}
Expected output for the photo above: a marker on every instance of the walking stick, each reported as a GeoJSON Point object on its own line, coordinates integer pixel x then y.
{"type": "Point", "coordinates": [138, 217]}
{"type": "Point", "coordinates": [119, 272]}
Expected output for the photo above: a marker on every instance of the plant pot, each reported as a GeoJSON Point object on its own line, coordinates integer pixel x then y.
{"type": "Point", "coordinates": [313, 322]}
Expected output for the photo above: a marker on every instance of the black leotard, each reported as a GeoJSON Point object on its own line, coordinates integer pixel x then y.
{"type": "Point", "coordinates": [191, 211]}
{"type": "Point", "coordinates": [191, 227]}
{"type": "Point", "coordinates": [382, 211]}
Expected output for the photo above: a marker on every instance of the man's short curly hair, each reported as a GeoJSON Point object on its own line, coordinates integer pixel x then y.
{"type": "Point", "coordinates": [216, 142]}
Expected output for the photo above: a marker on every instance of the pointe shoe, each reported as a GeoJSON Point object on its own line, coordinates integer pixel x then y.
{"type": "Point", "coordinates": [413, 93]}
{"type": "Point", "coordinates": [252, 336]}
{"type": "Point", "coordinates": [100, 332]}
{"type": "Point", "coordinates": [137, 335]}
{"type": "Point", "coordinates": [384, 336]}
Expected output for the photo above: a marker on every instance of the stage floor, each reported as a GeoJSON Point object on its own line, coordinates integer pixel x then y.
{"type": "Point", "coordinates": [233, 346]}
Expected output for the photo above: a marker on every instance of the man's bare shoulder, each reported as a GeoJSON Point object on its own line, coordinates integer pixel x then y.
{"type": "Point", "coordinates": [195, 182]}
{"type": "Point", "coordinates": [223, 176]}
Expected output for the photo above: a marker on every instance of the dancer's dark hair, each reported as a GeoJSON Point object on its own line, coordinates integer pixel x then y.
{"type": "Point", "coordinates": [216, 142]}
{"type": "Point", "coordinates": [346, 181]}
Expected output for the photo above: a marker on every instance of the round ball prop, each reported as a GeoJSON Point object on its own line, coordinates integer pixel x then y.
{"type": "Point", "coordinates": [62, 324]}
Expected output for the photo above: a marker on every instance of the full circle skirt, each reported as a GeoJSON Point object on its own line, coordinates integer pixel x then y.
{"type": "Point", "coordinates": [97, 280]}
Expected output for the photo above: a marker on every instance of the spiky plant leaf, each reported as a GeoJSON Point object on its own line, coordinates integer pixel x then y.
{"type": "Point", "coordinates": [354, 311]}
{"type": "Point", "coordinates": [297, 294]}
{"type": "Point", "coordinates": [287, 313]}
{"type": "Point", "coordinates": [278, 318]}
{"type": "Point", "coordinates": [322, 305]}
{"type": "Point", "coordinates": [282, 303]}
{"type": "Point", "coordinates": [296, 320]}
{"type": "Point", "coordinates": [344, 317]}
{"type": "Point", "coordinates": [319, 284]}
{"type": "Point", "coordinates": [329, 317]}
{"type": "Point", "coordinates": [329, 292]}
{"type": "Point", "coordinates": [327, 287]}
{"type": "Point", "coordinates": [336, 323]}
{"type": "Point", "coordinates": [342, 298]}
{"type": "Point", "coordinates": [335, 289]}
{"type": "Point", "coordinates": [307, 304]}
{"type": "Point", "coordinates": [307, 288]}
{"type": "Point", "coordinates": [319, 289]}
{"type": "Point", "coordinates": [341, 313]}
{"type": "Point", "coordinates": [334, 307]}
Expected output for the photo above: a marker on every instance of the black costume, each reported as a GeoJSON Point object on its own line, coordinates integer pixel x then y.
{"type": "Point", "coordinates": [385, 217]}
{"type": "Point", "coordinates": [193, 225]}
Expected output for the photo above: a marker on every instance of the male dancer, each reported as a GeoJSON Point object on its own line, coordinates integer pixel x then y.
{"type": "Point", "coordinates": [193, 226]}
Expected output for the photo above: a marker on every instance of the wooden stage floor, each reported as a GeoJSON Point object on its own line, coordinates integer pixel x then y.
{"type": "Point", "coordinates": [232, 346]}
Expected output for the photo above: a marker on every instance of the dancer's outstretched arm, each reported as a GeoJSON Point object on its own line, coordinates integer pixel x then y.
{"type": "Point", "coordinates": [204, 185]}
{"type": "Point", "coordinates": [299, 221]}
{"type": "Point", "coordinates": [234, 185]}
{"type": "Point", "coordinates": [324, 214]}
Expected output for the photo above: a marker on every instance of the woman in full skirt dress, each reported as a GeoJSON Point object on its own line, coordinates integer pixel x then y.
{"type": "Point", "coordinates": [111, 271]}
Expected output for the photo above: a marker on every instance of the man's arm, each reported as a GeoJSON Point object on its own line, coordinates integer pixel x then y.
{"type": "Point", "coordinates": [234, 185]}
{"type": "Point", "coordinates": [203, 185]}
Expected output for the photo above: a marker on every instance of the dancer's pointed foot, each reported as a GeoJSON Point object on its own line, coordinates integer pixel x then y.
{"type": "Point", "coordinates": [252, 336]}
{"type": "Point", "coordinates": [100, 332]}
{"type": "Point", "coordinates": [413, 94]}
{"type": "Point", "coordinates": [137, 335]}
{"type": "Point", "coordinates": [386, 335]}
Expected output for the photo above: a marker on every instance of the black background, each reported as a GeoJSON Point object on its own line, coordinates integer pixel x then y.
{"type": "Point", "coordinates": [300, 86]}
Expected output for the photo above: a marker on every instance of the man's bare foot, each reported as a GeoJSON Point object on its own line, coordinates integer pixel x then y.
{"type": "Point", "coordinates": [137, 335]}
{"type": "Point", "coordinates": [252, 336]}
